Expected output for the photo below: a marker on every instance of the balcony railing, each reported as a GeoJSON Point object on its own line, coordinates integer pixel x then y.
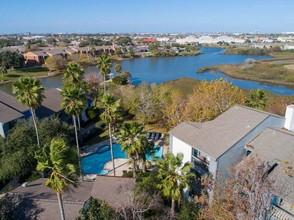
{"type": "Point", "coordinates": [280, 213]}
{"type": "Point", "coordinates": [200, 166]}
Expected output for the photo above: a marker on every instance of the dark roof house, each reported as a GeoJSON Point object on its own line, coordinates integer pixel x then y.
{"type": "Point", "coordinates": [38, 200]}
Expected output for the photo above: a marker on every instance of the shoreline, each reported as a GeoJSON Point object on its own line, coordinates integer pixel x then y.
{"type": "Point", "coordinates": [219, 68]}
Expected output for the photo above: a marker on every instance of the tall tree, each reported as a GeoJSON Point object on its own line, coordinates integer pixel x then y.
{"type": "Point", "coordinates": [29, 92]}
{"type": "Point", "coordinates": [257, 99]}
{"type": "Point", "coordinates": [74, 76]}
{"type": "Point", "coordinates": [133, 140]}
{"type": "Point", "coordinates": [110, 115]}
{"type": "Point", "coordinates": [174, 177]}
{"type": "Point", "coordinates": [59, 161]}
{"type": "Point", "coordinates": [74, 101]}
{"type": "Point", "coordinates": [104, 65]}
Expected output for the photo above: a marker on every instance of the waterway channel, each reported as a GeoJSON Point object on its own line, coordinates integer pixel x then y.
{"type": "Point", "coordinates": [162, 69]}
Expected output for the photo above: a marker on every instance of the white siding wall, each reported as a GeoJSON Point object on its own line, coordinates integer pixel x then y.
{"type": "Point", "coordinates": [236, 153]}
{"type": "Point", "coordinates": [2, 130]}
{"type": "Point", "coordinates": [213, 167]}
{"type": "Point", "coordinates": [178, 146]}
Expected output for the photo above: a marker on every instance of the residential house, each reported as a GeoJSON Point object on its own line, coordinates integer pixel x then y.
{"type": "Point", "coordinates": [35, 57]}
{"type": "Point", "coordinates": [56, 52]}
{"type": "Point", "coordinates": [36, 201]}
{"type": "Point", "coordinates": [11, 112]}
{"type": "Point", "coordinates": [274, 147]}
{"type": "Point", "coordinates": [217, 145]}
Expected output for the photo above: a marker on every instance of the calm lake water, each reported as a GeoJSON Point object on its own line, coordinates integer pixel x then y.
{"type": "Point", "coordinates": [162, 69]}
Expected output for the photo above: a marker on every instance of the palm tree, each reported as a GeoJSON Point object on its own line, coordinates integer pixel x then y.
{"type": "Point", "coordinates": [174, 177]}
{"type": "Point", "coordinates": [29, 92]}
{"type": "Point", "coordinates": [73, 74]}
{"type": "Point", "coordinates": [104, 65]}
{"type": "Point", "coordinates": [110, 116]}
{"type": "Point", "coordinates": [133, 140]}
{"type": "Point", "coordinates": [257, 99]}
{"type": "Point", "coordinates": [74, 101]}
{"type": "Point", "coordinates": [59, 161]}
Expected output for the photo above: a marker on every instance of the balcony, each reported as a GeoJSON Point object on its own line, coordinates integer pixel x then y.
{"type": "Point", "coordinates": [200, 166]}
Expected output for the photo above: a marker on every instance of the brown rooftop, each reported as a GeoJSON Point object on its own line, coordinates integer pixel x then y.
{"type": "Point", "coordinates": [52, 100]}
{"type": "Point", "coordinates": [113, 189]}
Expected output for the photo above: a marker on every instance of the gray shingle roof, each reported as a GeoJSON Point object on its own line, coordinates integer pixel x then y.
{"type": "Point", "coordinates": [11, 102]}
{"type": "Point", "coordinates": [42, 201]}
{"type": "Point", "coordinates": [52, 100]}
{"type": "Point", "coordinates": [113, 189]}
{"type": "Point", "coordinates": [8, 114]}
{"type": "Point", "coordinates": [38, 53]}
{"type": "Point", "coordinates": [217, 136]}
{"type": "Point", "coordinates": [276, 145]}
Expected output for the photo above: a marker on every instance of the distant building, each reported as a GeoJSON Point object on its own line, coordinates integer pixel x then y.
{"type": "Point", "coordinates": [35, 57]}
{"type": "Point", "coordinates": [148, 40]}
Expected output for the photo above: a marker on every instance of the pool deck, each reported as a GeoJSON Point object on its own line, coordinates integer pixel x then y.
{"type": "Point", "coordinates": [121, 164]}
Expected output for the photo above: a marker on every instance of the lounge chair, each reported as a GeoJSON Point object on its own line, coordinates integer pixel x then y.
{"type": "Point", "coordinates": [156, 136]}
{"type": "Point", "coordinates": [148, 135]}
{"type": "Point", "coordinates": [162, 136]}
{"type": "Point", "coordinates": [159, 135]}
{"type": "Point", "coordinates": [152, 135]}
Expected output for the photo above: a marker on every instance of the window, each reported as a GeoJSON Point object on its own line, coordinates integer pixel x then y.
{"type": "Point", "coordinates": [195, 152]}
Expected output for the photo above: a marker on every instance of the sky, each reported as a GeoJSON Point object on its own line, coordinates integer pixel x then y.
{"type": "Point", "coordinates": [146, 16]}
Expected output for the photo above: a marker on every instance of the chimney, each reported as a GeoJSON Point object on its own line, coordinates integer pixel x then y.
{"type": "Point", "coordinates": [289, 122]}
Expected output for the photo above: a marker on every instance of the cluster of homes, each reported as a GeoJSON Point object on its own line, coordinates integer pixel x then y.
{"type": "Point", "coordinates": [39, 57]}
{"type": "Point", "coordinates": [212, 147]}
{"type": "Point", "coordinates": [241, 132]}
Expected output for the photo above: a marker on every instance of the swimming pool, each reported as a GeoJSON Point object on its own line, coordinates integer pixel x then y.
{"type": "Point", "coordinates": [94, 163]}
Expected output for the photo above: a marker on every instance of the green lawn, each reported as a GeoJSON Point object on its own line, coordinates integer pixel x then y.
{"type": "Point", "coordinates": [31, 71]}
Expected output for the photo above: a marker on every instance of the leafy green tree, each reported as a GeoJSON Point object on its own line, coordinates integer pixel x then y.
{"type": "Point", "coordinates": [110, 115]}
{"type": "Point", "coordinates": [174, 177]}
{"type": "Point", "coordinates": [29, 92]}
{"type": "Point", "coordinates": [104, 65]}
{"type": "Point", "coordinates": [120, 80]}
{"type": "Point", "coordinates": [132, 138]}
{"type": "Point", "coordinates": [257, 99]}
{"type": "Point", "coordinates": [153, 47]}
{"type": "Point", "coordinates": [3, 70]}
{"type": "Point", "coordinates": [59, 160]}
{"type": "Point", "coordinates": [123, 41]}
{"type": "Point", "coordinates": [57, 62]}
{"type": "Point", "coordinates": [74, 101]}
{"type": "Point", "coordinates": [17, 150]}
{"type": "Point", "coordinates": [10, 59]}
{"type": "Point", "coordinates": [96, 210]}
{"type": "Point", "coordinates": [117, 68]}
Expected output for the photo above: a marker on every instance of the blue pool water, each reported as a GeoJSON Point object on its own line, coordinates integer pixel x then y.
{"type": "Point", "coordinates": [94, 163]}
